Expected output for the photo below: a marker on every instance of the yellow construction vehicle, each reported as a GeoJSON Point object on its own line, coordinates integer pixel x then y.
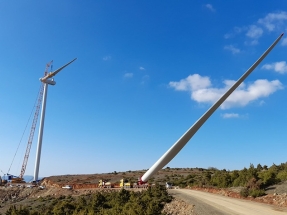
{"type": "Point", "coordinates": [125, 184]}
{"type": "Point", "coordinates": [105, 184]}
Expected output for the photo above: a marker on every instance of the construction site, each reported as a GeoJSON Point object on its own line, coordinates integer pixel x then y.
{"type": "Point", "coordinates": [15, 189]}
{"type": "Point", "coordinates": [59, 187]}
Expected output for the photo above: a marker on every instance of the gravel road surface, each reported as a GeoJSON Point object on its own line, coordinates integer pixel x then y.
{"type": "Point", "coordinates": [212, 204]}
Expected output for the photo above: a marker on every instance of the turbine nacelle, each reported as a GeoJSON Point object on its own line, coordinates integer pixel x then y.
{"type": "Point", "coordinates": [48, 81]}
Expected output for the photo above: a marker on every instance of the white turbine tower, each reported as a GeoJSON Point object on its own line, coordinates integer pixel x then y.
{"type": "Point", "coordinates": [48, 79]}
{"type": "Point", "coordinates": [181, 142]}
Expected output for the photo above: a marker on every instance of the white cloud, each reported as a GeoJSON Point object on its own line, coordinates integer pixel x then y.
{"type": "Point", "coordinates": [284, 42]}
{"type": "Point", "coordinates": [107, 58]}
{"type": "Point", "coordinates": [262, 103]}
{"type": "Point", "coordinates": [236, 30]}
{"type": "Point", "coordinates": [273, 20]}
{"type": "Point", "coordinates": [280, 67]}
{"type": "Point", "coordinates": [251, 43]}
{"type": "Point", "coordinates": [210, 7]}
{"type": "Point", "coordinates": [192, 82]}
{"type": "Point", "coordinates": [145, 79]}
{"type": "Point", "coordinates": [254, 32]}
{"type": "Point", "coordinates": [254, 42]}
{"type": "Point", "coordinates": [230, 115]}
{"type": "Point", "coordinates": [202, 91]}
{"type": "Point", "coordinates": [232, 49]}
{"type": "Point", "coordinates": [128, 75]}
{"type": "Point", "coordinates": [141, 68]}
{"type": "Point", "coordinates": [227, 36]}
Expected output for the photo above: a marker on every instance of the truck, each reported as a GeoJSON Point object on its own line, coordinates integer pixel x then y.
{"type": "Point", "coordinates": [124, 183]}
{"type": "Point", "coordinates": [67, 187]}
{"type": "Point", "coordinates": [168, 185]}
{"type": "Point", "coordinates": [105, 184]}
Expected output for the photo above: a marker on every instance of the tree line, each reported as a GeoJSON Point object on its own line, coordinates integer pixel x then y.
{"type": "Point", "coordinates": [254, 180]}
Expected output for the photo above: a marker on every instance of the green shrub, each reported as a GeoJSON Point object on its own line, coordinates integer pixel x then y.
{"type": "Point", "coordinates": [268, 177]}
{"type": "Point", "coordinates": [282, 175]}
{"type": "Point", "coordinates": [244, 192]}
{"type": "Point", "coordinates": [256, 193]}
{"type": "Point", "coordinates": [221, 179]}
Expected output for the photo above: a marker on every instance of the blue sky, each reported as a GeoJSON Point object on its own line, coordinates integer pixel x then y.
{"type": "Point", "coordinates": [146, 71]}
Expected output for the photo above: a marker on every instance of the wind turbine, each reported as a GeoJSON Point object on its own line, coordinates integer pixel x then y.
{"type": "Point", "coordinates": [182, 141]}
{"type": "Point", "coordinates": [46, 80]}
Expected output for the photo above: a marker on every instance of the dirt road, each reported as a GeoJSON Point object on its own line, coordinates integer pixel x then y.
{"type": "Point", "coordinates": [212, 204]}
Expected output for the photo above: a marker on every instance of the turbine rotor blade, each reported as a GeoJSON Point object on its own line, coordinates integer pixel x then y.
{"type": "Point", "coordinates": [182, 141]}
{"type": "Point", "coordinates": [51, 74]}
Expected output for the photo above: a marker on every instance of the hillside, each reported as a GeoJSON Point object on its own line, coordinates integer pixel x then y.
{"type": "Point", "coordinates": [262, 184]}
{"type": "Point", "coordinates": [161, 177]}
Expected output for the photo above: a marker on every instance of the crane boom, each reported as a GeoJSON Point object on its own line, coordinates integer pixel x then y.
{"type": "Point", "coordinates": [34, 123]}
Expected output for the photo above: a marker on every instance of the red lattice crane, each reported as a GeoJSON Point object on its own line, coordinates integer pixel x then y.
{"type": "Point", "coordinates": [33, 127]}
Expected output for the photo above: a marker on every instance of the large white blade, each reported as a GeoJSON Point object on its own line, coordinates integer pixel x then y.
{"type": "Point", "coordinates": [181, 142]}
{"type": "Point", "coordinates": [51, 74]}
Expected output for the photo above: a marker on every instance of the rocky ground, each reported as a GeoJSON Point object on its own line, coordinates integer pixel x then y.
{"type": "Point", "coordinates": [178, 207]}
{"type": "Point", "coordinates": [276, 195]}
